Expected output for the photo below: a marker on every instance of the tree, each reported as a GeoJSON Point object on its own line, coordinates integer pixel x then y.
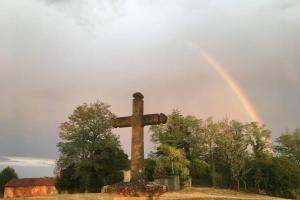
{"type": "Point", "coordinates": [150, 166]}
{"type": "Point", "coordinates": [181, 132]}
{"type": "Point", "coordinates": [170, 161]}
{"type": "Point", "coordinates": [211, 131]}
{"type": "Point", "coordinates": [90, 154]}
{"type": "Point", "coordinates": [288, 144]}
{"type": "Point", "coordinates": [256, 173]}
{"type": "Point", "coordinates": [283, 177]}
{"type": "Point", "coordinates": [261, 155]}
{"type": "Point", "coordinates": [259, 139]}
{"type": "Point", "coordinates": [284, 173]}
{"type": "Point", "coordinates": [232, 145]}
{"type": "Point", "coordinates": [6, 175]}
{"type": "Point", "coordinates": [181, 136]}
{"type": "Point", "coordinates": [200, 172]}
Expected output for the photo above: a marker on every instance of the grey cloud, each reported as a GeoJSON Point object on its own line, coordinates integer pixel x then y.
{"type": "Point", "coordinates": [49, 64]}
{"type": "Point", "coordinates": [4, 159]}
{"type": "Point", "coordinates": [26, 161]}
{"type": "Point", "coordinates": [57, 1]}
{"type": "Point", "coordinates": [279, 5]}
{"type": "Point", "coordinates": [287, 4]}
{"type": "Point", "coordinates": [89, 12]}
{"type": "Point", "coordinates": [27, 167]}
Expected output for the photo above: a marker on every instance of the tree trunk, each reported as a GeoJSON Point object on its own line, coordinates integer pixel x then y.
{"type": "Point", "coordinates": [213, 177]}
{"type": "Point", "coordinates": [245, 185]}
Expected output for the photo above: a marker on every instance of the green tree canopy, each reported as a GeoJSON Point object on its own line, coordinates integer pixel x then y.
{"type": "Point", "coordinates": [170, 161]}
{"type": "Point", "coordinates": [283, 177]}
{"type": "Point", "coordinates": [181, 132]}
{"type": "Point", "coordinates": [6, 175]}
{"type": "Point", "coordinates": [90, 154]}
{"type": "Point", "coordinates": [232, 145]}
{"type": "Point", "coordinates": [288, 144]}
{"type": "Point", "coordinates": [228, 153]}
{"type": "Point", "coordinates": [259, 139]}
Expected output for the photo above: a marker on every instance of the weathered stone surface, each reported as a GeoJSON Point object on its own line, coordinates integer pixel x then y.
{"type": "Point", "coordinates": [154, 119]}
{"type": "Point", "coordinates": [122, 122]}
{"type": "Point", "coordinates": [138, 95]}
{"type": "Point", "coordinates": [150, 119]}
{"type": "Point", "coordinates": [135, 189]}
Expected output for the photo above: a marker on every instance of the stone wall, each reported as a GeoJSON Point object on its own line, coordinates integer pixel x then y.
{"type": "Point", "coordinates": [11, 192]}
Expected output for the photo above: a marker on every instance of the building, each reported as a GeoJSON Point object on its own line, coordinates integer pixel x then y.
{"type": "Point", "coordinates": [29, 187]}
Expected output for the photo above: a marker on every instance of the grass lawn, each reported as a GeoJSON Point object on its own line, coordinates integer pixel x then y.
{"type": "Point", "coordinates": [194, 193]}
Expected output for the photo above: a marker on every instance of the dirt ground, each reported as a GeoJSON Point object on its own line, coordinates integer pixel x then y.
{"type": "Point", "coordinates": [194, 193]}
{"type": "Point", "coordinates": [202, 193]}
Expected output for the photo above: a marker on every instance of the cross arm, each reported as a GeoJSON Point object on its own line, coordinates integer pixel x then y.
{"type": "Point", "coordinates": [151, 119]}
{"type": "Point", "coordinates": [154, 119]}
{"type": "Point", "coordinates": [121, 122]}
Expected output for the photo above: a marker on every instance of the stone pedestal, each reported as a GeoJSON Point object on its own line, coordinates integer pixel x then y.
{"type": "Point", "coordinates": [138, 190]}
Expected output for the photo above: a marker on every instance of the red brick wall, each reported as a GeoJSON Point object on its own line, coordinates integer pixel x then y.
{"type": "Point", "coordinates": [11, 192]}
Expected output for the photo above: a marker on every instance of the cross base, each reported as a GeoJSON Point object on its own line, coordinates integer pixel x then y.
{"type": "Point", "coordinates": [135, 198]}
{"type": "Point", "coordinates": [138, 190]}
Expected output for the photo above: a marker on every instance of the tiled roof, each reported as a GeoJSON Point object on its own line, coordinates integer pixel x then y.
{"type": "Point", "coordinates": [25, 182]}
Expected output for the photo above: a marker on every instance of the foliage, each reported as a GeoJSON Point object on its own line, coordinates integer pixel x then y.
{"type": "Point", "coordinates": [150, 166]}
{"type": "Point", "coordinates": [228, 153]}
{"type": "Point", "coordinates": [232, 145]}
{"type": "Point", "coordinates": [6, 175]}
{"type": "Point", "coordinates": [211, 131]}
{"type": "Point", "coordinates": [257, 169]}
{"type": "Point", "coordinates": [200, 172]}
{"type": "Point", "coordinates": [259, 139]}
{"type": "Point", "coordinates": [289, 145]}
{"type": "Point", "coordinates": [171, 161]}
{"type": "Point", "coordinates": [88, 145]}
{"type": "Point", "coordinates": [180, 132]}
{"type": "Point", "coordinates": [180, 141]}
{"type": "Point", "coordinates": [283, 177]}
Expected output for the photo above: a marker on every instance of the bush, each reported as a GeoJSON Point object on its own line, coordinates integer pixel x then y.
{"type": "Point", "coordinates": [283, 177]}
{"type": "Point", "coordinates": [200, 172]}
{"type": "Point", "coordinates": [6, 175]}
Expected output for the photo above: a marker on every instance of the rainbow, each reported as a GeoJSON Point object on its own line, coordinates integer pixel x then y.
{"type": "Point", "coordinates": [249, 108]}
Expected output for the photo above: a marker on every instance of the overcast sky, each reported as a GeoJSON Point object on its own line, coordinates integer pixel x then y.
{"type": "Point", "coordinates": [57, 54]}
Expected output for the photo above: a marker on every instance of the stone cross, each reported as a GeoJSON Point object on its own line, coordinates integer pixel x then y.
{"type": "Point", "coordinates": [137, 121]}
